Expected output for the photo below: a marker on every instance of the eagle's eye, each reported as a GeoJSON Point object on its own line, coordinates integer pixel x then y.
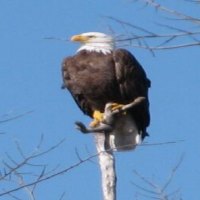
{"type": "Point", "coordinates": [91, 36]}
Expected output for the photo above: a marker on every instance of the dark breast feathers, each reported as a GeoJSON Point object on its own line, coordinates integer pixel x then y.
{"type": "Point", "coordinates": [95, 79]}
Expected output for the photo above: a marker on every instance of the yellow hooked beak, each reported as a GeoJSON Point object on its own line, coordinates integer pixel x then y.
{"type": "Point", "coordinates": [79, 38]}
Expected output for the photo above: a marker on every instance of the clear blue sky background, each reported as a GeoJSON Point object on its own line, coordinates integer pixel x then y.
{"type": "Point", "coordinates": [30, 79]}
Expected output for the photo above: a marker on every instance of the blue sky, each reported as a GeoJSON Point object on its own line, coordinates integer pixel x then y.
{"type": "Point", "coordinates": [30, 79]}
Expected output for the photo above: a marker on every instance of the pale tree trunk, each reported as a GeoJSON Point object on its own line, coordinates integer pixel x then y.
{"type": "Point", "coordinates": [107, 166]}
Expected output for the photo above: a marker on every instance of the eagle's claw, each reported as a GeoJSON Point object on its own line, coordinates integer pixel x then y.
{"type": "Point", "coordinates": [80, 126]}
{"type": "Point", "coordinates": [116, 106]}
{"type": "Point", "coordinates": [98, 117]}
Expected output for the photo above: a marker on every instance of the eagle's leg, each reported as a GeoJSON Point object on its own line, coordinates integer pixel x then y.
{"type": "Point", "coordinates": [97, 118]}
{"type": "Point", "coordinates": [101, 128]}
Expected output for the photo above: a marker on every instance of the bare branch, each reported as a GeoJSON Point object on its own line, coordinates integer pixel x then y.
{"type": "Point", "coordinates": [16, 117]}
{"type": "Point", "coordinates": [155, 191]}
{"type": "Point", "coordinates": [27, 189]}
{"type": "Point", "coordinates": [45, 178]}
{"type": "Point", "coordinates": [143, 188]}
{"type": "Point", "coordinates": [130, 25]}
{"type": "Point", "coordinates": [152, 48]}
{"type": "Point", "coordinates": [145, 180]}
{"type": "Point", "coordinates": [58, 39]}
{"type": "Point", "coordinates": [62, 196]}
{"type": "Point", "coordinates": [140, 37]}
{"type": "Point", "coordinates": [26, 160]}
{"type": "Point", "coordinates": [161, 143]}
{"type": "Point", "coordinates": [180, 15]}
{"type": "Point", "coordinates": [172, 174]}
{"type": "Point", "coordinates": [14, 197]}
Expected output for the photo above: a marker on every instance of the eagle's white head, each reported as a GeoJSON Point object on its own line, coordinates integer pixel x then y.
{"type": "Point", "coordinates": [95, 41]}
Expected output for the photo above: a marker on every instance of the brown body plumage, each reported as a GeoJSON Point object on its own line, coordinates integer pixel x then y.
{"type": "Point", "coordinates": [95, 78]}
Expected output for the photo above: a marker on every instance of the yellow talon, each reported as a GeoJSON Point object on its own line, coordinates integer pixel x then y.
{"type": "Point", "coordinates": [97, 118]}
{"type": "Point", "coordinates": [98, 115]}
{"type": "Point", "coordinates": [116, 106]}
{"type": "Point", "coordinates": [94, 123]}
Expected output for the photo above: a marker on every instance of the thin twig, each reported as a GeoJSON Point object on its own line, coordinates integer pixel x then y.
{"type": "Point", "coordinates": [55, 38]}
{"type": "Point", "coordinates": [26, 160]}
{"type": "Point", "coordinates": [173, 173]}
{"type": "Point", "coordinates": [180, 15]}
{"type": "Point", "coordinates": [168, 47]}
{"type": "Point", "coordinates": [27, 189]}
{"type": "Point", "coordinates": [61, 172]}
{"type": "Point", "coordinates": [16, 117]}
{"type": "Point", "coordinates": [130, 25]}
{"type": "Point", "coordinates": [155, 191]}
{"type": "Point", "coordinates": [62, 196]}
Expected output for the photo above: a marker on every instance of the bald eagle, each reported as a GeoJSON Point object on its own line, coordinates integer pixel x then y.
{"type": "Point", "coordinates": [99, 74]}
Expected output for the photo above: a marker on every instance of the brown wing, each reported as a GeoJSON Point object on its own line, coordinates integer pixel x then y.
{"type": "Point", "coordinates": [69, 82]}
{"type": "Point", "coordinates": [90, 78]}
{"type": "Point", "coordinates": [133, 83]}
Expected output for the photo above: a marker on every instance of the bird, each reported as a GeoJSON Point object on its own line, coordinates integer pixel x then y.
{"type": "Point", "coordinates": [100, 73]}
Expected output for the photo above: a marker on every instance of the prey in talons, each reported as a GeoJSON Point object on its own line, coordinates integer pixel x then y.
{"type": "Point", "coordinates": [105, 122]}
